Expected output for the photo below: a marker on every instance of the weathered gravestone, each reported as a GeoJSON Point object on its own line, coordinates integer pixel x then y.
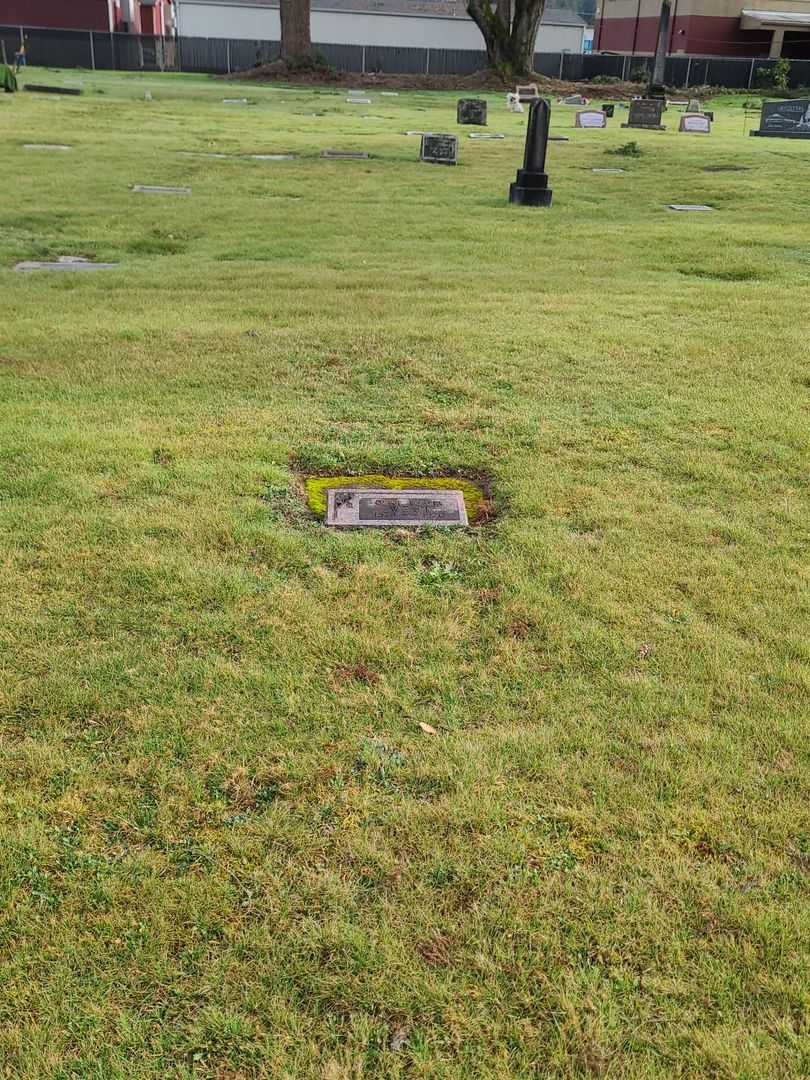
{"type": "Point", "coordinates": [785, 119]}
{"type": "Point", "coordinates": [439, 149]}
{"type": "Point", "coordinates": [693, 106]}
{"type": "Point", "coordinates": [531, 184]}
{"type": "Point", "coordinates": [574, 99]}
{"type": "Point", "coordinates": [646, 113]}
{"type": "Point", "coordinates": [590, 118]}
{"type": "Point", "coordinates": [355, 508]}
{"type": "Point", "coordinates": [608, 108]}
{"type": "Point", "coordinates": [695, 124]}
{"type": "Point", "coordinates": [472, 111]}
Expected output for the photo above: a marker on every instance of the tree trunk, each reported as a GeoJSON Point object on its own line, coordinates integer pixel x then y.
{"type": "Point", "coordinates": [296, 43]}
{"type": "Point", "coordinates": [509, 29]}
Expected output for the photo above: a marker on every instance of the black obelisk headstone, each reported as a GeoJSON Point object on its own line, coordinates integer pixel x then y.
{"type": "Point", "coordinates": [531, 184]}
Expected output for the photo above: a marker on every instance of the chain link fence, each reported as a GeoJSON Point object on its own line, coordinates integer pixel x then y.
{"type": "Point", "coordinates": [95, 50]}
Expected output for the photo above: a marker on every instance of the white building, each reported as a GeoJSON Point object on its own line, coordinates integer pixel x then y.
{"type": "Point", "coordinates": [433, 24]}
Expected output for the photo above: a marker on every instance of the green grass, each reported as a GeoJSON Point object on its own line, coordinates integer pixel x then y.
{"type": "Point", "coordinates": [229, 849]}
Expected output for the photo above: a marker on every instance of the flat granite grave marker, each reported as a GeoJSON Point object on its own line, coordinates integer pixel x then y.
{"type": "Point", "coordinates": [358, 101]}
{"type": "Point", "coordinates": [39, 89]}
{"type": "Point", "coordinates": [46, 146]}
{"type": "Point", "coordinates": [646, 113]}
{"type": "Point", "coordinates": [344, 153]}
{"type": "Point", "coordinates": [485, 135]}
{"type": "Point", "coordinates": [438, 149]}
{"type": "Point", "coordinates": [472, 111]}
{"type": "Point", "coordinates": [785, 119]}
{"type": "Point", "coordinates": [608, 170]}
{"type": "Point", "coordinates": [157, 189]}
{"type": "Point", "coordinates": [354, 508]}
{"type": "Point", "coordinates": [271, 157]}
{"type": "Point", "coordinates": [695, 124]}
{"type": "Point", "coordinates": [590, 118]}
{"type": "Point", "coordinates": [690, 207]}
{"type": "Point", "coordinates": [531, 183]}
{"type": "Point", "coordinates": [64, 262]}
{"type": "Point", "coordinates": [234, 101]}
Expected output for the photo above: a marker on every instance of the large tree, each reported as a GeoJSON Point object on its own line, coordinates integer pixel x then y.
{"type": "Point", "coordinates": [509, 28]}
{"type": "Point", "coordinates": [296, 42]}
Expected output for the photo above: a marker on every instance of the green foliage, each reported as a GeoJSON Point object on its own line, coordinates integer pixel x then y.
{"type": "Point", "coordinates": [630, 149]}
{"type": "Point", "coordinates": [776, 76]}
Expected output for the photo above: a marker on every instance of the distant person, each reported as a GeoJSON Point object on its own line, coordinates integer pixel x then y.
{"type": "Point", "coordinates": [19, 58]}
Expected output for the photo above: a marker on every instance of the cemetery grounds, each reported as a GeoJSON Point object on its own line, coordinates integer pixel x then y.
{"type": "Point", "coordinates": [524, 800]}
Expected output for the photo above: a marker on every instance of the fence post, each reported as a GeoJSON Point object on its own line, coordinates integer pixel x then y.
{"type": "Point", "coordinates": [363, 61]}
{"type": "Point", "coordinates": [228, 54]}
{"type": "Point", "coordinates": [562, 54]}
{"type": "Point", "coordinates": [751, 74]}
{"type": "Point", "coordinates": [92, 52]}
{"type": "Point", "coordinates": [688, 70]}
{"type": "Point", "coordinates": [427, 61]}
{"type": "Point", "coordinates": [624, 68]}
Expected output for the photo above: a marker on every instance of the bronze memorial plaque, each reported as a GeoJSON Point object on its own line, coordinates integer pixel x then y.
{"type": "Point", "coordinates": [357, 508]}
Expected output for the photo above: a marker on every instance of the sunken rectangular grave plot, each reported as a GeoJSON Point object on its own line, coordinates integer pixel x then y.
{"type": "Point", "coordinates": [372, 508]}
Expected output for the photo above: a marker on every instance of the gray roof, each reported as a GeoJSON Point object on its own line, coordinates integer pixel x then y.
{"type": "Point", "coordinates": [447, 8]}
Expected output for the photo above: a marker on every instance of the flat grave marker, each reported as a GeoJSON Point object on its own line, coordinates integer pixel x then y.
{"type": "Point", "coordinates": [35, 88]}
{"type": "Point", "coordinates": [358, 101]}
{"type": "Point", "coordinates": [46, 146]}
{"type": "Point", "coordinates": [607, 170]}
{"type": "Point", "coordinates": [158, 189]}
{"type": "Point", "coordinates": [439, 149]}
{"type": "Point", "coordinates": [727, 168]}
{"type": "Point", "coordinates": [271, 157]}
{"type": "Point", "coordinates": [63, 263]}
{"type": "Point", "coordinates": [353, 508]}
{"type": "Point", "coordinates": [485, 135]}
{"type": "Point", "coordinates": [344, 154]}
{"type": "Point", "coordinates": [234, 101]}
{"type": "Point", "coordinates": [690, 208]}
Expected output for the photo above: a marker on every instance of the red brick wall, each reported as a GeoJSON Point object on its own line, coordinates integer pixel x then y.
{"type": "Point", "coordinates": [697, 35]}
{"type": "Point", "coordinates": [56, 14]}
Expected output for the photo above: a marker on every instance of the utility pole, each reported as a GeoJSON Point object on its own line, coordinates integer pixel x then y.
{"type": "Point", "coordinates": [656, 87]}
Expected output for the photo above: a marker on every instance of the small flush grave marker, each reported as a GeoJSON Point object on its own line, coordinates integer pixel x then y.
{"type": "Point", "coordinates": [356, 508]}
{"type": "Point", "coordinates": [690, 208]}
{"type": "Point", "coordinates": [46, 146]}
{"type": "Point", "coordinates": [607, 170]}
{"type": "Point", "coordinates": [64, 262]}
{"type": "Point", "coordinates": [344, 154]}
{"type": "Point", "coordinates": [156, 189]}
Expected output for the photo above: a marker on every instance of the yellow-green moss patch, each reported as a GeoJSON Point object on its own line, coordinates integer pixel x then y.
{"type": "Point", "coordinates": [316, 488]}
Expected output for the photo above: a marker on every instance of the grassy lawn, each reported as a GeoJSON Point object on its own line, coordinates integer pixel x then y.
{"type": "Point", "coordinates": [228, 849]}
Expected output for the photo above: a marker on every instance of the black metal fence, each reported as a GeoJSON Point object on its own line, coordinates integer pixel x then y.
{"type": "Point", "coordinates": [93, 49]}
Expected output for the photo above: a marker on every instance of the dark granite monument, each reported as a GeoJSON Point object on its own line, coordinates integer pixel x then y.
{"type": "Point", "coordinates": [608, 109]}
{"type": "Point", "coordinates": [355, 508]}
{"type": "Point", "coordinates": [439, 149]}
{"type": "Point", "coordinates": [531, 184]}
{"type": "Point", "coordinates": [646, 113]}
{"type": "Point", "coordinates": [785, 119]}
{"type": "Point", "coordinates": [472, 111]}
